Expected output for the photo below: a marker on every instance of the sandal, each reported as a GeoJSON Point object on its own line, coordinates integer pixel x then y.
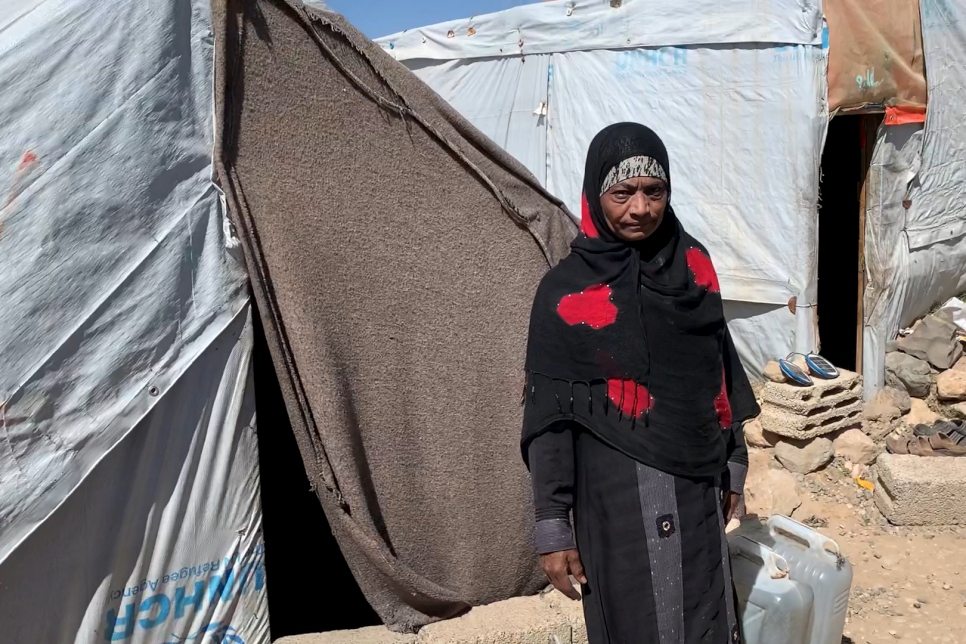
{"type": "Point", "coordinates": [953, 429]}
{"type": "Point", "coordinates": [938, 444]}
{"type": "Point", "coordinates": [908, 445]}
{"type": "Point", "coordinates": [944, 445]}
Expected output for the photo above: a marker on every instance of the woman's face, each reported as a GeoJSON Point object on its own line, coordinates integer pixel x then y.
{"type": "Point", "coordinates": [634, 208]}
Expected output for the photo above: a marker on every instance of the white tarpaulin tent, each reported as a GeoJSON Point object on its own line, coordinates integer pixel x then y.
{"type": "Point", "coordinates": [735, 89]}
{"type": "Point", "coordinates": [916, 213]}
{"type": "Point", "coordinates": [129, 489]}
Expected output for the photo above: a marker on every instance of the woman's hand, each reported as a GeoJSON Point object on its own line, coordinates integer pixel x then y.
{"type": "Point", "coordinates": [558, 567]}
{"type": "Point", "coordinates": [729, 506]}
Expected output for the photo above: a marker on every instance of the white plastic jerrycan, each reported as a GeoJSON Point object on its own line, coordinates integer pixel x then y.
{"type": "Point", "coordinates": [814, 560]}
{"type": "Point", "coordinates": [773, 608]}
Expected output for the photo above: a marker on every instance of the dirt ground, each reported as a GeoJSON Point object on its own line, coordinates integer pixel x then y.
{"type": "Point", "coordinates": [909, 582]}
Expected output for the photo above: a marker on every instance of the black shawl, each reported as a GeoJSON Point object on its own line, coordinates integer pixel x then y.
{"type": "Point", "coordinates": [630, 340]}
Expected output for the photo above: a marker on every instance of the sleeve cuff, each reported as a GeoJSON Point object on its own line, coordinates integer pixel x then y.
{"type": "Point", "coordinates": [738, 473]}
{"type": "Point", "coordinates": [553, 535]}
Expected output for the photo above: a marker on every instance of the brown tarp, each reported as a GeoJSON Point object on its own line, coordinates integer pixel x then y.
{"type": "Point", "coordinates": [875, 54]}
{"type": "Point", "coordinates": [394, 252]}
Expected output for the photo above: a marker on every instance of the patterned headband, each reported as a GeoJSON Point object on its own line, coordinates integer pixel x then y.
{"type": "Point", "coordinates": [630, 168]}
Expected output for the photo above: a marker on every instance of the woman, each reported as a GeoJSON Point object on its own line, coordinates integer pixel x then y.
{"type": "Point", "coordinates": [633, 411]}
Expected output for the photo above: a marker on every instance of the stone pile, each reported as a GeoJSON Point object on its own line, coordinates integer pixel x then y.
{"type": "Point", "coordinates": [802, 429]}
{"type": "Point", "coordinates": [928, 364]}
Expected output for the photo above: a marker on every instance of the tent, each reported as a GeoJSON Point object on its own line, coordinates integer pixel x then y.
{"type": "Point", "coordinates": [741, 94]}
{"type": "Point", "coordinates": [129, 479]}
{"type": "Point", "coordinates": [151, 154]}
{"type": "Point", "coordinates": [129, 482]}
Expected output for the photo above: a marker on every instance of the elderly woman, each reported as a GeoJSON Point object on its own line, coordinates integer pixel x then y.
{"type": "Point", "coordinates": [633, 411]}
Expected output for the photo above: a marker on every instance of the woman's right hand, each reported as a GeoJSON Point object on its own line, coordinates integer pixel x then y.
{"type": "Point", "coordinates": [559, 566]}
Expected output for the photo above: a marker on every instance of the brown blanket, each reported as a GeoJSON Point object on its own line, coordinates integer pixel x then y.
{"type": "Point", "coordinates": [394, 252]}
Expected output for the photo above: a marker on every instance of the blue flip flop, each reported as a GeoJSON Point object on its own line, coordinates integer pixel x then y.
{"type": "Point", "coordinates": [794, 373]}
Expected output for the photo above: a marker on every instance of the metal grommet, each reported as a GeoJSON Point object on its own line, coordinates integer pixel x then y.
{"type": "Point", "coordinates": [153, 390]}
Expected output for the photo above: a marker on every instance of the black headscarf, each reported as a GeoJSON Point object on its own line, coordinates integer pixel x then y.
{"type": "Point", "coordinates": [630, 340]}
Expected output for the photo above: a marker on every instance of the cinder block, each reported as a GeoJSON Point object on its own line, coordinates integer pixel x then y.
{"type": "Point", "coordinates": [806, 412]}
{"type": "Point", "coordinates": [572, 610]}
{"type": "Point", "coordinates": [371, 635]}
{"type": "Point", "coordinates": [822, 396]}
{"type": "Point", "coordinates": [821, 421]}
{"type": "Point", "coordinates": [921, 490]}
{"type": "Point", "coordinates": [522, 620]}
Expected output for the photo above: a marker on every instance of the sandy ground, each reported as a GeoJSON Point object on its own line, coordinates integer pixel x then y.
{"type": "Point", "coordinates": [909, 583]}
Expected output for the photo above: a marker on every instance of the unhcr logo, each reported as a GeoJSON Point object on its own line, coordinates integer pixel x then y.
{"type": "Point", "coordinates": [647, 62]}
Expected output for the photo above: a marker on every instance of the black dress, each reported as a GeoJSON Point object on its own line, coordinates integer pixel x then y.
{"type": "Point", "coordinates": [652, 544]}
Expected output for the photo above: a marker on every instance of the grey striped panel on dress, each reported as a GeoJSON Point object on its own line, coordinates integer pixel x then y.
{"type": "Point", "coordinates": [659, 510]}
{"type": "Point", "coordinates": [726, 567]}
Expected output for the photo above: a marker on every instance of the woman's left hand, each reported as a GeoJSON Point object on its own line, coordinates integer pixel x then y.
{"type": "Point", "coordinates": [729, 506]}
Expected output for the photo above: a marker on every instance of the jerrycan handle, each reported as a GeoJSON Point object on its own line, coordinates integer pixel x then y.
{"type": "Point", "coordinates": [774, 563]}
{"type": "Point", "coordinates": [815, 541]}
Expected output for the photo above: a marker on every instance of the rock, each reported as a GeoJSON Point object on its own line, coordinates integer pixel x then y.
{"type": "Point", "coordinates": [802, 457]}
{"type": "Point", "coordinates": [908, 373]}
{"type": "Point", "coordinates": [855, 446]}
{"type": "Point", "coordinates": [935, 341]}
{"type": "Point", "coordinates": [769, 491]}
{"type": "Point", "coordinates": [951, 385]}
{"type": "Point", "coordinates": [958, 410]}
{"type": "Point", "coordinates": [897, 397]}
{"type": "Point", "coordinates": [960, 365]}
{"type": "Point", "coordinates": [799, 361]}
{"type": "Point", "coordinates": [878, 429]}
{"type": "Point", "coordinates": [921, 414]}
{"type": "Point", "coordinates": [773, 372]}
{"type": "Point", "coordinates": [882, 408]}
{"type": "Point", "coordinates": [861, 472]}
{"type": "Point", "coordinates": [756, 436]}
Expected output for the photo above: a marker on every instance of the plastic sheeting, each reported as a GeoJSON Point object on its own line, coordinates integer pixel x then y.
{"type": "Point", "coordinates": [554, 27]}
{"type": "Point", "coordinates": [895, 161]}
{"type": "Point", "coordinates": [746, 194]}
{"type": "Point", "coordinates": [875, 54]}
{"type": "Point", "coordinates": [514, 114]}
{"type": "Point", "coordinates": [161, 541]}
{"type": "Point", "coordinates": [128, 484]}
{"type": "Point", "coordinates": [938, 212]}
{"type": "Point", "coordinates": [716, 80]}
{"type": "Point", "coordinates": [916, 212]}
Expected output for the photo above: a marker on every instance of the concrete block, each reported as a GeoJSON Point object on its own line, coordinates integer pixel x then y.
{"type": "Point", "coordinates": [371, 635]}
{"type": "Point", "coordinates": [521, 620]}
{"type": "Point", "coordinates": [571, 610]}
{"type": "Point", "coordinates": [921, 490]}
{"type": "Point", "coordinates": [823, 395]}
{"type": "Point", "coordinates": [806, 412]}
{"type": "Point", "coordinates": [823, 420]}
